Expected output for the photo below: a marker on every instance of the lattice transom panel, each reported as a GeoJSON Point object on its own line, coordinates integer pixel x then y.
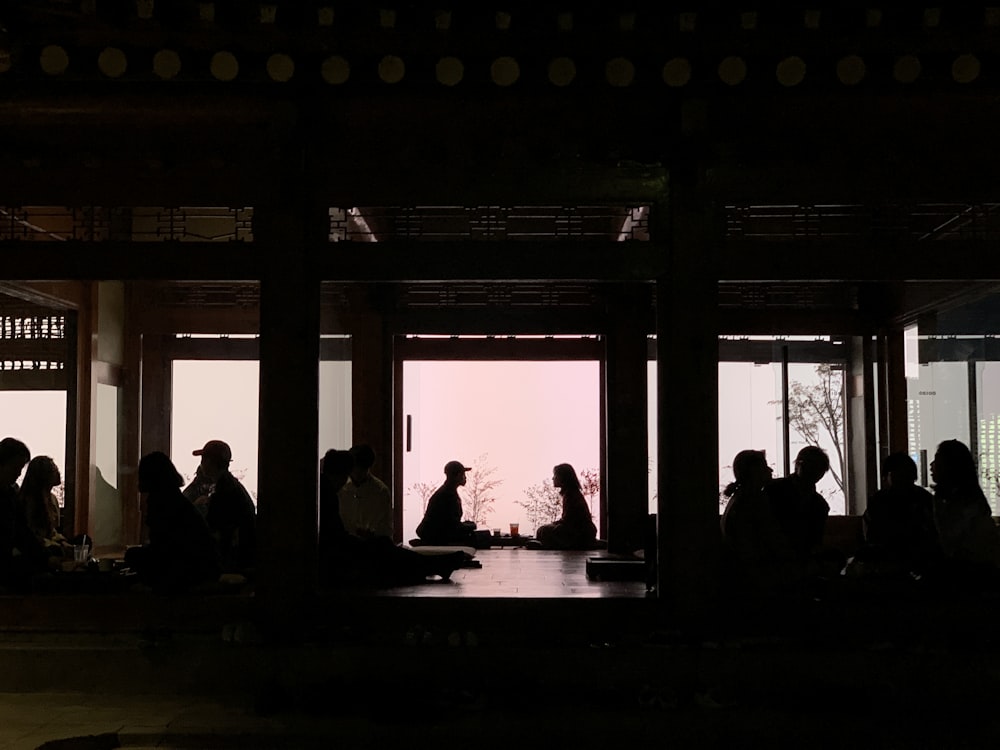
{"type": "Point", "coordinates": [489, 223]}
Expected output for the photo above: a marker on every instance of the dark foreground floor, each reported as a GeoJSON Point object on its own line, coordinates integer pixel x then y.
{"type": "Point", "coordinates": [851, 668]}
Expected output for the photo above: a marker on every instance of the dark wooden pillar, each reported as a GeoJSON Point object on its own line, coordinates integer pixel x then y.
{"type": "Point", "coordinates": [625, 387]}
{"type": "Point", "coordinates": [371, 394]}
{"type": "Point", "coordinates": [132, 416]}
{"type": "Point", "coordinates": [287, 510]}
{"type": "Point", "coordinates": [689, 543]}
{"type": "Point", "coordinates": [893, 368]}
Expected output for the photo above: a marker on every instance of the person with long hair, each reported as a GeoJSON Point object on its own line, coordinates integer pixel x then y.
{"type": "Point", "coordinates": [575, 528]}
{"type": "Point", "coordinates": [181, 552]}
{"type": "Point", "coordinates": [757, 554]}
{"type": "Point", "coordinates": [963, 517]}
{"type": "Point", "coordinates": [41, 509]}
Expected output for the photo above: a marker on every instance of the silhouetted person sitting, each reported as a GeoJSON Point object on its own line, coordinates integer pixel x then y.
{"type": "Point", "coordinates": [21, 553]}
{"type": "Point", "coordinates": [181, 552]}
{"type": "Point", "coordinates": [575, 528]}
{"type": "Point", "coordinates": [230, 513]}
{"type": "Point", "coordinates": [373, 560]}
{"type": "Point", "coordinates": [442, 522]}
{"type": "Point", "coordinates": [41, 509]}
{"type": "Point", "coordinates": [962, 515]}
{"type": "Point", "coordinates": [758, 557]}
{"type": "Point", "coordinates": [900, 534]}
{"type": "Point", "coordinates": [799, 509]}
{"type": "Point", "coordinates": [365, 502]}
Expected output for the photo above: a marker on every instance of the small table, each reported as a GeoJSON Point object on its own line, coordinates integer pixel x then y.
{"type": "Point", "coordinates": [506, 540]}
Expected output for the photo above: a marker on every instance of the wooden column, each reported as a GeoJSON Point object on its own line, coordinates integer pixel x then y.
{"type": "Point", "coordinates": [287, 511]}
{"type": "Point", "coordinates": [371, 395]}
{"type": "Point", "coordinates": [893, 366]}
{"type": "Point", "coordinates": [687, 351]}
{"type": "Point", "coordinates": [132, 415]}
{"type": "Point", "coordinates": [625, 387]}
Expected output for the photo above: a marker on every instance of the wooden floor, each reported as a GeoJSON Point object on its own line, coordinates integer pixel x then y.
{"type": "Point", "coordinates": [521, 573]}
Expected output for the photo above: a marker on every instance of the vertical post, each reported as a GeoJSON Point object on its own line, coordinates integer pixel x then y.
{"type": "Point", "coordinates": [894, 392]}
{"type": "Point", "coordinates": [973, 410]}
{"type": "Point", "coordinates": [861, 438]}
{"type": "Point", "coordinates": [626, 409]}
{"type": "Point", "coordinates": [786, 434]}
{"type": "Point", "coordinates": [689, 544]}
{"type": "Point", "coordinates": [132, 395]}
{"type": "Point", "coordinates": [70, 470]}
{"type": "Point", "coordinates": [287, 511]}
{"type": "Point", "coordinates": [371, 380]}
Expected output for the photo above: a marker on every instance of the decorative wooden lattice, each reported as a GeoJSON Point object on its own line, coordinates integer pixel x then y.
{"type": "Point", "coordinates": [489, 223]}
{"type": "Point", "coordinates": [144, 224]}
{"type": "Point", "coordinates": [932, 221]}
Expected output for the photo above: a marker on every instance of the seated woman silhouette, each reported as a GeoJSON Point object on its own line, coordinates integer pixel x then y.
{"type": "Point", "coordinates": [41, 509]}
{"type": "Point", "coordinates": [759, 556]}
{"type": "Point", "coordinates": [575, 528]}
{"type": "Point", "coordinates": [181, 552]}
{"type": "Point", "coordinates": [969, 539]}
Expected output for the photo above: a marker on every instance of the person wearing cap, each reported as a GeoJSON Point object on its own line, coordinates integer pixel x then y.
{"type": "Point", "coordinates": [442, 522]}
{"type": "Point", "coordinates": [230, 511]}
{"type": "Point", "coordinates": [365, 501]}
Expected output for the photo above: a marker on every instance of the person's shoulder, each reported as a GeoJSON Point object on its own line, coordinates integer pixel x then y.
{"type": "Point", "coordinates": [378, 483]}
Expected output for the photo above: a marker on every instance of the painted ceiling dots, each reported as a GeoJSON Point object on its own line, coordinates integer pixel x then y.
{"type": "Point", "coordinates": [166, 64]}
{"type": "Point", "coordinates": [391, 69]}
{"type": "Point", "coordinates": [54, 60]}
{"type": "Point", "coordinates": [325, 15]}
{"type": "Point", "coordinates": [505, 71]}
{"type": "Point", "coordinates": [442, 20]}
{"type": "Point", "coordinates": [224, 66]}
{"type": "Point", "coordinates": [449, 71]}
{"type": "Point", "coordinates": [907, 69]}
{"type": "Point", "coordinates": [112, 62]}
{"type": "Point", "coordinates": [562, 71]}
{"type": "Point", "coordinates": [335, 70]}
{"type": "Point", "coordinates": [280, 67]}
{"type": "Point", "coordinates": [733, 70]}
{"type": "Point", "coordinates": [965, 68]}
{"type": "Point", "coordinates": [619, 72]}
{"type": "Point", "coordinates": [851, 70]}
{"type": "Point", "coordinates": [791, 71]}
{"type": "Point", "coordinates": [677, 72]}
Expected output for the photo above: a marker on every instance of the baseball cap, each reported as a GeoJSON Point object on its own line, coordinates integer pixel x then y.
{"type": "Point", "coordinates": [216, 449]}
{"type": "Point", "coordinates": [455, 467]}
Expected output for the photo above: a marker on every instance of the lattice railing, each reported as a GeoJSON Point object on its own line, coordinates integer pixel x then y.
{"type": "Point", "coordinates": [488, 223]}
{"type": "Point", "coordinates": [931, 221]}
{"type": "Point", "coordinates": [143, 224]}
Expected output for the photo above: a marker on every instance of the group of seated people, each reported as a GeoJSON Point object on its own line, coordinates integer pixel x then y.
{"type": "Point", "coordinates": [773, 529]}
{"type": "Point", "coordinates": [194, 535]}
{"type": "Point", "coordinates": [442, 523]}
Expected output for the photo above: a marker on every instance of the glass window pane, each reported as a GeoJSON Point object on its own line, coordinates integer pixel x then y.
{"type": "Point", "coordinates": [509, 421]}
{"type": "Point", "coordinates": [816, 417]}
{"type": "Point", "coordinates": [749, 414]}
{"type": "Point", "coordinates": [937, 403]}
{"type": "Point", "coordinates": [215, 400]}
